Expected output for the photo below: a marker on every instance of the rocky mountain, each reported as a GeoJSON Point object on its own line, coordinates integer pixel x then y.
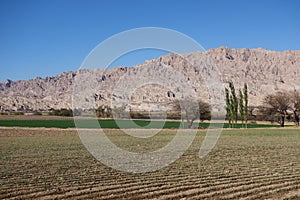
{"type": "Point", "coordinates": [160, 80]}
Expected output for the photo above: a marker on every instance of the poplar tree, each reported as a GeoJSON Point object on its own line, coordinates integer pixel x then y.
{"type": "Point", "coordinates": [241, 107]}
{"type": "Point", "coordinates": [236, 105]}
{"type": "Point", "coordinates": [246, 104]}
{"type": "Point", "coordinates": [234, 102]}
{"type": "Point", "coordinates": [228, 108]}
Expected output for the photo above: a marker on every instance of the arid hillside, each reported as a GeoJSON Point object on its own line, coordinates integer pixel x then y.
{"type": "Point", "coordinates": [263, 70]}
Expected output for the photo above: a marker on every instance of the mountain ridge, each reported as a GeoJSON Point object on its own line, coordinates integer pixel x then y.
{"type": "Point", "coordinates": [72, 71]}
{"type": "Point", "coordinates": [265, 71]}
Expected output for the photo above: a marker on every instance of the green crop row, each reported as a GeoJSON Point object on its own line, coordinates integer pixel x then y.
{"type": "Point", "coordinates": [115, 124]}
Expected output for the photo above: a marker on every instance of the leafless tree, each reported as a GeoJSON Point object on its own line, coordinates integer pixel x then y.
{"type": "Point", "coordinates": [192, 110]}
{"type": "Point", "coordinates": [295, 106]}
{"type": "Point", "coordinates": [277, 105]}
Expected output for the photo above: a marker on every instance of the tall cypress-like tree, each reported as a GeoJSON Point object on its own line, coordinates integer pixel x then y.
{"type": "Point", "coordinates": [246, 104]}
{"type": "Point", "coordinates": [228, 108]}
{"type": "Point", "coordinates": [234, 102]}
{"type": "Point", "coordinates": [237, 105]}
{"type": "Point", "coordinates": [241, 106]}
{"type": "Point", "coordinates": [232, 109]}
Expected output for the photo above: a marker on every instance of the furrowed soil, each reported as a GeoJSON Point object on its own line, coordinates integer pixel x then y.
{"type": "Point", "coordinates": [40, 163]}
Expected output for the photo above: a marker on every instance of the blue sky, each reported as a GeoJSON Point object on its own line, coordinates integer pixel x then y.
{"type": "Point", "coordinates": [44, 38]}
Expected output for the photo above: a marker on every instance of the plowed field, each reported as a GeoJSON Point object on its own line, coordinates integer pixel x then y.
{"type": "Point", "coordinates": [245, 164]}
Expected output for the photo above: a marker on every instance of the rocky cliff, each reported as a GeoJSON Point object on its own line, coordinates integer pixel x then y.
{"type": "Point", "coordinates": [263, 70]}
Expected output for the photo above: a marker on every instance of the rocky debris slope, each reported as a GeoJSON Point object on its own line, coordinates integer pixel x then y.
{"type": "Point", "coordinates": [263, 70]}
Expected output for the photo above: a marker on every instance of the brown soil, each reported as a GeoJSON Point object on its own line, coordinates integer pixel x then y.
{"type": "Point", "coordinates": [53, 164]}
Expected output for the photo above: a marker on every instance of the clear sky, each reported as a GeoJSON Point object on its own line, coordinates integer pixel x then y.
{"type": "Point", "coordinates": [46, 37]}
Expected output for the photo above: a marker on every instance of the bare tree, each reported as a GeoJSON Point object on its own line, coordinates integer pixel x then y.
{"type": "Point", "coordinates": [250, 111]}
{"type": "Point", "coordinates": [277, 105]}
{"type": "Point", "coordinates": [104, 111]}
{"type": "Point", "coordinates": [191, 110]}
{"type": "Point", "coordinates": [120, 111]}
{"type": "Point", "coordinates": [295, 106]}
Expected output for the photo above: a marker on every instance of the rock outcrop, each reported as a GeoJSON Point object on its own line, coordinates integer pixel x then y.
{"type": "Point", "coordinates": [263, 70]}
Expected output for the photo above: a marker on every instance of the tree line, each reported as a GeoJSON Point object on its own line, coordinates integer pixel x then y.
{"type": "Point", "coordinates": [279, 107]}
{"type": "Point", "coordinates": [275, 107]}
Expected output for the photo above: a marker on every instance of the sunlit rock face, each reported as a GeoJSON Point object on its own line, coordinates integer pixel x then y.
{"type": "Point", "coordinates": [263, 70]}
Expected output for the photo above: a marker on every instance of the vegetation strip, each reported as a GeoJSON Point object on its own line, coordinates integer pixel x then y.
{"type": "Point", "coordinates": [111, 124]}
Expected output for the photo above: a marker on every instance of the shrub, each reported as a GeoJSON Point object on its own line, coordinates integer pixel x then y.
{"type": "Point", "coordinates": [18, 113]}
{"type": "Point", "coordinates": [104, 111]}
{"type": "Point", "coordinates": [62, 112]}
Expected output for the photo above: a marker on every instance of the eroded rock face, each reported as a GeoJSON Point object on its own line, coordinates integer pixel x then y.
{"type": "Point", "coordinates": [263, 70]}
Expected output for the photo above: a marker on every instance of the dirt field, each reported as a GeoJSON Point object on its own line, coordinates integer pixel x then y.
{"type": "Point", "coordinates": [53, 164]}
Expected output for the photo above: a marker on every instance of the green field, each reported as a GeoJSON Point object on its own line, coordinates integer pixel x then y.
{"type": "Point", "coordinates": [245, 164]}
{"type": "Point", "coordinates": [110, 123]}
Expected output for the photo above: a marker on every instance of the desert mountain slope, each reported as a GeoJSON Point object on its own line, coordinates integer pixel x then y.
{"type": "Point", "coordinates": [265, 72]}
